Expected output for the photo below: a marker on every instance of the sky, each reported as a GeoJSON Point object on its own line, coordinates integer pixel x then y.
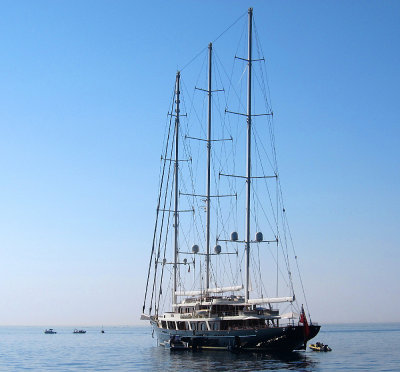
{"type": "Point", "coordinates": [85, 89]}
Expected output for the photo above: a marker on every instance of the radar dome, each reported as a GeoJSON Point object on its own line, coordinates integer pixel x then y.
{"type": "Point", "coordinates": [234, 236]}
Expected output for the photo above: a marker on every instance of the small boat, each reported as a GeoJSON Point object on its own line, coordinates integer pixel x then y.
{"type": "Point", "coordinates": [319, 346]}
{"type": "Point", "coordinates": [79, 331]}
{"type": "Point", "coordinates": [50, 331]}
{"type": "Point", "coordinates": [176, 344]}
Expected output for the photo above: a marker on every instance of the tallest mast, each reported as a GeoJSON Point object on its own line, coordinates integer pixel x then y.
{"type": "Point", "coordinates": [176, 217]}
{"type": "Point", "coordinates": [208, 169]}
{"type": "Point", "coordinates": [248, 167]}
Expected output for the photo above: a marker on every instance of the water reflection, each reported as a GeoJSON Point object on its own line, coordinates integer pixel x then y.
{"type": "Point", "coordinates": [163, 359]}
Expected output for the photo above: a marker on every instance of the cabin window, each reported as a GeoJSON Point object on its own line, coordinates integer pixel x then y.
{"type": "Point", "coordinates": [214, 326]}
{"type": "Point", "coordinates": [163, 324]}
{"type": "Point", "coordinates": [181, 325]}
{"type": "Point", "coordinates": [171, 325]}
{"type": "Point", "coordinates": [203, 326]}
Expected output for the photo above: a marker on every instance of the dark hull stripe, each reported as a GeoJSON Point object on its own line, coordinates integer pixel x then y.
{"type": "Point", "coordinates": [266, 339]}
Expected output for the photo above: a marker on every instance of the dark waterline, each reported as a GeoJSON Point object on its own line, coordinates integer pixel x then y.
{"type": "Point", "coordinates": [356, 347]}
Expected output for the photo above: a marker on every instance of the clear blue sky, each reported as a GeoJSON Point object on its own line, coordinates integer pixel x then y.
{"type": "Point", "coordinates": [84, 91]}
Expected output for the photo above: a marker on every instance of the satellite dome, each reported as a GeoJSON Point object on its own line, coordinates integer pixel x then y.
{"type": "Point", "coordinates": [217, 249]}
{"type": "Point", "coordinates": [234, 236]}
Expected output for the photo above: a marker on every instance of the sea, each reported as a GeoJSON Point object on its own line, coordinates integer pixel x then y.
{"type": "Point", "coordinates": [355, 347]}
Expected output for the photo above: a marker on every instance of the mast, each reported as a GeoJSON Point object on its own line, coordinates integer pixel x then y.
{"type": "Point", "coordinates": [208, 199]}
{"type": "Point", "coordinates": [176, 217]}
{"type": "Point", "coordinates": [248, 169]}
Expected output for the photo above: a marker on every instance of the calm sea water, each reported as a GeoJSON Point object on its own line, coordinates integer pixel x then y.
{"type": "Point", "coordinates": [356, 347]}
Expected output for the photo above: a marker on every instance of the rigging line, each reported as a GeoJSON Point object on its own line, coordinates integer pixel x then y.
{"type": "Point", "coordinates": [169, 118]}
{"type": "Point", "coordinates": [261, 53]}
{"type": "Point", "coordinates": [275, 260]}
{"type": "Point", "coordinates": [277, 270]}
{"type": "Point", "coordinates": [266, 184]}
{"type": "Point", "coordinates": [218, 209]}
{"type": "Point", "coordinates": [258, 281]}
{"type": "Point", "coordinates": [239, 43]}
{"type": "Point", "coordinates": [233, 277]}
{"type": "Point", "coordinates": [261, 56]}
{"type": "Point", "coordinates": [259, 70]}
{"type": "Point", "coordinates": [163, 215]}
{"type": "Point", "coordinates": [220, 220]}
{"type": "Point", "coordinates": [267, 100]}
{"type": "Point", "coordinates": [187, 149]}
{"type": "Point", "coordinates": [158, 205]}
{"type": "Point", "coordinates": [263, 148]}
{"type": "Point", "coordinates": [223, 229]}
{"type": "Point", "coordinates": [162, 222]}
{"type": "Point", "coordinates": [263, 210]}
{"type": "Point", "coordinates": [226, 30]}
{"type": "Point", "coordinates": [193, 200]}
{"type": "Point", "coordinates": [222, 160]}
{"type": "Point", "coordinates": [223, 263]}
{"type": "Point", "coordinates": [260, 79]}
{"type": "Point", "coordinates": [284, 246]}
{"type": "Point", "coordinates": [280, 270]}
{"type": "Point", "coordinates": [285, 257]}
{"type": "Point", "coordinates": [298, 269]}
{"type": "Point", "coordinates": [167, 291]}
{"type": "Point", "coordinates": [192, 105]}
{"type": "Point", "coordinates": [224, 119]}
{"type": "Point", "coordinates": [240, 265]}
{"type": "Point", "coordinates": [165, 249]}
{"type": "Point", "coordinates": [260, 84]}
{"type": "Point", "coordinates": [193, 226]}
{"type": "Point", "coordinates": [231, 86]}
{"type": "Point", "coordinates": [263, 288]}
{"type": "Point", "coordinates": [285, 223]}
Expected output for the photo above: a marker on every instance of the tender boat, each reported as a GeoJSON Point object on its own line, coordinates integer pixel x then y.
{"type": "Point", "coordinates": [319, 346]}
{"type": "Point", "coordinates": [50, 331]}
{"type": "Point", "coordinates": [222, 299]}
{"type": "Point", "coordinates": [79, 331]}
{"type": "Point", "coordinates": [175, 343]}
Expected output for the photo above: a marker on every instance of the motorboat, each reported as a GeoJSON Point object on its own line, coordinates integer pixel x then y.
{"type": "Point", "coordinates": [175, 343]}
{"type": "Point", "coordinates": [319, 346]}
{"type": "Point", "coordinates": [79, 331]}
{"type": "Point", "coordinates": [50, 331]}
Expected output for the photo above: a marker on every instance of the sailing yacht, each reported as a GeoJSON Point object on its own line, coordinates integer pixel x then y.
{"type": "Point", "coordinates": [218, 299]}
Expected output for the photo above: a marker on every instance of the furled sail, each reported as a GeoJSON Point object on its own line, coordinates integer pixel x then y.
{"type": "Point", "coordinates": [271, 300]}
{"type": "Point", "coordinates": [210, 290]}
